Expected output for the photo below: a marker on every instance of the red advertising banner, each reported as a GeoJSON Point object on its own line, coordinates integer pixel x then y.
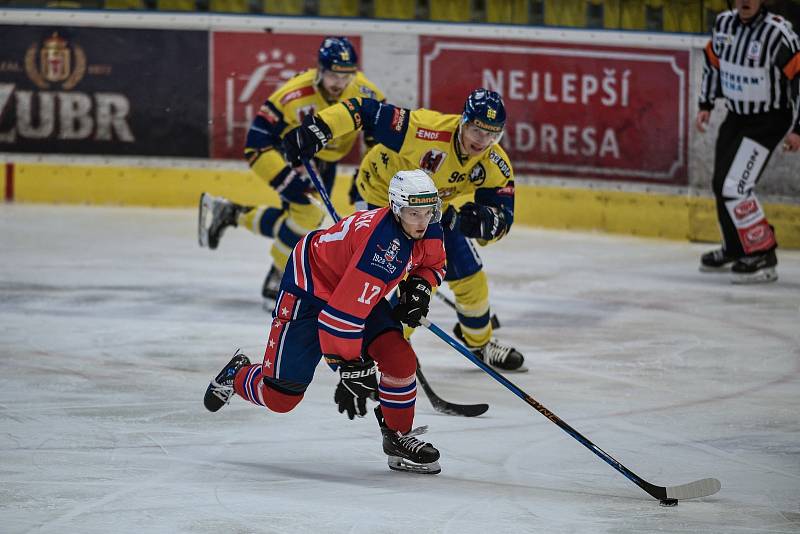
{"type": "Point", "coordinates": [574, 110]}
{"type": "Point", "coordinates": [246, 69]}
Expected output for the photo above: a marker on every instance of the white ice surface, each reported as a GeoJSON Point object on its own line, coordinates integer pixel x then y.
{"type": "Point", "coordinates": [112, 322]}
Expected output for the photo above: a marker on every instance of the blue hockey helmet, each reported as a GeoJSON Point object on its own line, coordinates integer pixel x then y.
{"type": "Point", "coordinates": [337, 54]}
{"type": "Point", "coordinates": [485, 110]}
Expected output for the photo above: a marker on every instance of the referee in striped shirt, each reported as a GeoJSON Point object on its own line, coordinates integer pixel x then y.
{"type": "Point", "coordinates": [753, 61]}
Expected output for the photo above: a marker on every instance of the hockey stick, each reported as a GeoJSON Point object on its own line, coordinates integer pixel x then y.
{"type": "Point", "coordinates": [692, 490]}
{"type": "Point", "coordinates": [442, 406]}
{"type": "Point", "coordinates": [439, 404]}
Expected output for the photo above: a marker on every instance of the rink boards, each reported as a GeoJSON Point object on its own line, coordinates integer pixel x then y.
{"type": "Point", "coordinates": [641, 212]}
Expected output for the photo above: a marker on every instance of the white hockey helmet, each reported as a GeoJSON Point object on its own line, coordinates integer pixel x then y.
{"type": "Point", "coordinates": [414, 189]}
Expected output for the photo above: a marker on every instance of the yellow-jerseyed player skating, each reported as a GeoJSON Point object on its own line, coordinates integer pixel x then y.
{"type": "Point", "coordinates": [336, 79]}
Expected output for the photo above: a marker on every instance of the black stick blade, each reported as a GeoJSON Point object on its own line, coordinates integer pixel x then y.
{"type": "Point", "coordinates": [463, 410]}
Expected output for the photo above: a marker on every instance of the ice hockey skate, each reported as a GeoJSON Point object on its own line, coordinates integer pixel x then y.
{"type": "Point", "coordinates": [757, 269]}
{"type": "Point", "coordinates": [406, 452]}
{"type": "Point", "coordinates": [214, 215]}
{"type": "Point", "coordinates": [500, 356]}
{"type": "Point", "coordinates": [716, 261]}
{"type": "Point", "coordinates": [220, 390]}
{"type": "Point", "coordinates": [271, 287]}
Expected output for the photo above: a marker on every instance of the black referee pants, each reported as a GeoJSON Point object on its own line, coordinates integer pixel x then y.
{"type": "Point", "coordinates": [744, 146]}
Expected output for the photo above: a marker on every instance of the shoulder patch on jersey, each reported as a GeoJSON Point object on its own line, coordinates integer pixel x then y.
{"type": "Point", "coordinates": [432, 160]}
{"type": "Point", "coordinates": [366, 91]}
{"type": "Point", "coordinates": [783, 25]}
{"type": "Point", "coordinates": [386, 257]}
{"type": "Point", "coordinates": [477, 175]}
{"type": "Point", "coordinates": [386, 253]}
{"type": "Point", "coordinates": [297, 93]}
{"type": "Point", "coordinates": [495, 158]}
{"type": "Point", "coordinates": [433, 135]}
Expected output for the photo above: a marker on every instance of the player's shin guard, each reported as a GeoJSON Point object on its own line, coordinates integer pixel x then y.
{"type": "Point", "coordinates": [398, 401]}
{"type": "Point", "coordinates": [472, 302]}
{"type": "Point", "coordinates": [397, 390]}
{"type": "Point", "coordinates": [263, 221]}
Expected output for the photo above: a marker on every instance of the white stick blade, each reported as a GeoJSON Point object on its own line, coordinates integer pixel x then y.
{"type": "Point", "coordinates": [694, 490]}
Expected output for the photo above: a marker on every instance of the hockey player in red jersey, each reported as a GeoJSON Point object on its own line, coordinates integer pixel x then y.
{"type": "Point", "coordinates": [331, 303]}
{"type": "Point", "coordinates": [462, 155]}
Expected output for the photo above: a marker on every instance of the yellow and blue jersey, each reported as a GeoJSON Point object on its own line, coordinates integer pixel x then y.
{"type": "Point", "coordinates": [427, 140]}
{"type": "Point", "coordinates": [298, 97]}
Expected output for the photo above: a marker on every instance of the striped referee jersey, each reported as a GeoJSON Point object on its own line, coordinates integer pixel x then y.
{"type": "Point", "coordinates": [755, 66]}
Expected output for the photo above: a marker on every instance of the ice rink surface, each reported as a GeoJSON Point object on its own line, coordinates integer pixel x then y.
{"type": "Point", "coordinates": [112, 322]}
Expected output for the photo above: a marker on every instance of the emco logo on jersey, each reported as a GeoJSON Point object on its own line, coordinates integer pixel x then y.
{"type": "Point", "coordinates": [748, 207]}
{"type": "Point", "coordinates": [398, 119]}
{"type": "Point", "coordinates": [742, 184]}
{"type": "Point", "coordinates": [433, 135]}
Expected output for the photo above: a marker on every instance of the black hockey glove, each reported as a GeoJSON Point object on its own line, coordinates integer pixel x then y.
{"type": "Point", "coordinates": [357, 383]}
{"type": "Point", "coordinates": [449, 218]}
{"type": "Point", "coordinates": [481, 222]}
{"type": "Point", "coordinates": [305, 140]}
{"type": "Point", "coordinates": [292, 186]}
{"type": "Point", "coordinates": [415, 299]}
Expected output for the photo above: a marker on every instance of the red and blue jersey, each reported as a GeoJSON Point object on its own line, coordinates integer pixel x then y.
{"type": "Point", "coordinates": [352, 265]}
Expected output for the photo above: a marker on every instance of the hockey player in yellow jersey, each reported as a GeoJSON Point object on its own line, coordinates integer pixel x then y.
{"type": "Point", "coordinates": [462, 155]}
{"type": "Point", "coordinates": [334, 80]}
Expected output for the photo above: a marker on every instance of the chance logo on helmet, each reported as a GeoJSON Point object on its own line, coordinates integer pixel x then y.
{"type": "Point", "coordinates": [414, 189]}
{"type": "Point", "coordinates": [337, 54]}
{"type": "Point", "coordinates": [485, 110]}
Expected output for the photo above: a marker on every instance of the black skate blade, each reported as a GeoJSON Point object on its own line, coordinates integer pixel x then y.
{"type": "Point", "coordinates": [398, 463]}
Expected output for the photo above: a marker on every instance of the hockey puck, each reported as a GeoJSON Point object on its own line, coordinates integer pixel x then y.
{"type": "Point", "coordinates": [668, 502]}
